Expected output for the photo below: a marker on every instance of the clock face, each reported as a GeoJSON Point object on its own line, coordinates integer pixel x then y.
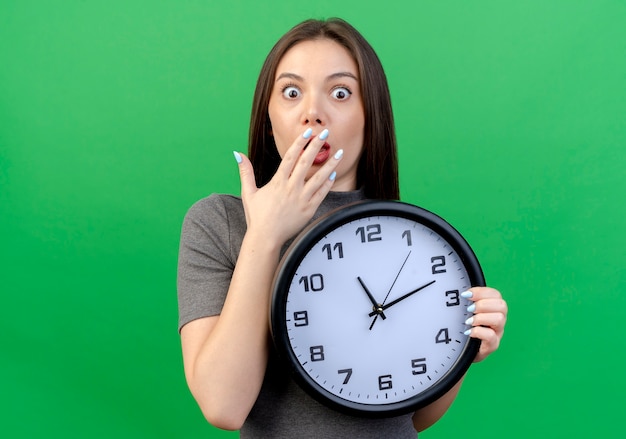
{"type": "Point", "coordinates": [367, 308]}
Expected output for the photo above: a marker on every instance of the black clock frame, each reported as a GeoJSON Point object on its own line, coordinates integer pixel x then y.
{"type": "Point", "coordinates": [292, 259]}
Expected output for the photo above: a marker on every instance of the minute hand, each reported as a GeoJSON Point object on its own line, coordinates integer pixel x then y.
{"type": "Point", "coordinates": [393, 302]}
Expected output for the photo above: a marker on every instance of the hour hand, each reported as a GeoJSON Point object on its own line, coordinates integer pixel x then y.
{"type": "Point", "coordinates": [377, 307]}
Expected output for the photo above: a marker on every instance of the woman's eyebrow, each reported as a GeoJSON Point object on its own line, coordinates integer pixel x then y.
{"type": "Point", "coordinates": [290, 76]}
{"type": "Point", "coordinates": [329, 78]}
{"type": "Point", "coordinates": [343, 75]}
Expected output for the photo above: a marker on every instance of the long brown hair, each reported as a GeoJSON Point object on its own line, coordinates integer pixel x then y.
{"type": "Point", "coordinates": [377, 171]}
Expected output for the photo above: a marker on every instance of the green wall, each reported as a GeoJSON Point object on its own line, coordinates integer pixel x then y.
{"type": "Point", "coordinates": [115, 116]}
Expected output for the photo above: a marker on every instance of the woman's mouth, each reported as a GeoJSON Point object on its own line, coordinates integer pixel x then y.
{"type": "Point", "coordinates": [322, 155]}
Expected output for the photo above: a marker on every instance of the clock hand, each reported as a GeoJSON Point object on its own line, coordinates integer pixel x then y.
{"type": "Point", "coordinates": [377, 306]}
{"type": "Point", "coordinates": [403, 297]}
{"type": "Point", "coordinates": [378, 310]}
{"type": "Point", "coordinates": [397, 276]}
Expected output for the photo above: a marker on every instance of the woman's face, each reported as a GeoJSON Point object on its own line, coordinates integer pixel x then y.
{"type": "Point", "coordinates": [317, 86]}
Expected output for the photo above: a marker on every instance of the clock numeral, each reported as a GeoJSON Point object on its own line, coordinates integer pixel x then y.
{"type": "Point", "coordinates": [301, 318]}
{"type": "Point", "coordinates": [442, 336]}
{"type": "Point", "coordinates": [419, 366]}
{"type": "Point", "coordinates": [454, 300]}
{"type": "Point", "coordinates": [317, 353]}
{"type": "Point", "coordinates": [373, 233]}
{"type": "Point", "coordinates": [437, 267]}
{"type": "Point", "coordinates": [348, 373]}
{"type": "Point", "coordinates": [407, 234]}
{"type": "Point", "coordinates": [384, 382]}
{"type": "Point", "coordinates": [315, 282]}
{"type": "Point", "coordinates": [329, 250]}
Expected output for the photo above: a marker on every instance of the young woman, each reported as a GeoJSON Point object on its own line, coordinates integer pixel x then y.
{"type": "Point", "coordinates": [321, 136]}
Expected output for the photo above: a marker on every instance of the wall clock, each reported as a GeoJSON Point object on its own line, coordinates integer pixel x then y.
{"type": "Point", "coordinates": [367, 310]}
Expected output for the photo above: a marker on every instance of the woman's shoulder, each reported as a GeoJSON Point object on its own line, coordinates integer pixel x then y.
{"type": "Point", "coordinates": [224, 205]}
{"type": "Point", "coordinates": [219, 214]}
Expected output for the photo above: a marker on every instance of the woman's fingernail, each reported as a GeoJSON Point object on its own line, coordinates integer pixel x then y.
{"type": "Point", "coordinates": [468, 332]}
{"type": "Point", "coordinates": [307, 133]}
{"type": "Point", "coordinates": [237, 156]}
{"type": "Point", "coordinates": [471, 308]}
{"type": "Point", "coordinates": [469, 321]}
{"type": "Point", "coordinates": [467, 294]}
{"type": "Point", "coordinates": [323, 135]}
{"type": "Point", "coordinates": [338, 154]}
{"type": "Point", "coordinates": [332, 176]}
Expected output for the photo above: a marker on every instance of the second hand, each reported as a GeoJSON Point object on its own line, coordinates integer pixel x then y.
{"type": "Point", "coordinates": [391, 288]}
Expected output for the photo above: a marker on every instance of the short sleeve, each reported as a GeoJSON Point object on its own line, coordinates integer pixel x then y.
{"type": "Point", "coordinates": [211, 237]}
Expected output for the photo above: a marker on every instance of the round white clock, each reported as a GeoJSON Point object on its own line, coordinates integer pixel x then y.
{"type": "Point", "coordinates": [367, 308]}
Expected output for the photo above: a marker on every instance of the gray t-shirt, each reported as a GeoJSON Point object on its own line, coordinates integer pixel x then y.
{"type": "Point", "coordinates": [211, 238]}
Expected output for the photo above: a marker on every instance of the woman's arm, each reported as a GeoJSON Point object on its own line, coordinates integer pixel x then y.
{"type": "Point", "coordinates": [427, 416]}
{"type": "Point", "coordinates": [225, 356]}
{"type": "Point", "coordinates": [487, 324]}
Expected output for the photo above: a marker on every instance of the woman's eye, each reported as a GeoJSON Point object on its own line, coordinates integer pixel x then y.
{"type": "Point", "coordinates": [341, 93]}
{"type": "Point", "coordinates": [291, 92]}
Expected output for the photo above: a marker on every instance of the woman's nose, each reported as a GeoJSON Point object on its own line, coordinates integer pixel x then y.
{"type": "Point", "coordinates": [313, 120]}
{"type": "Point", "coordinates": [313, 112]}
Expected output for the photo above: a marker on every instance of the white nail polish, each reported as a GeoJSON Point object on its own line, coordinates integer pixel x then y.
{"type": "Point", "coordinates": [469, 321]}
{"type": "Point", "coordinates": [466, 294]}
{"type": "Point", "coordinates": [338, 154]}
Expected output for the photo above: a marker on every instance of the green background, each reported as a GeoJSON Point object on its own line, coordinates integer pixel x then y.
{"type": "Point", "coordinates": [115, 116]}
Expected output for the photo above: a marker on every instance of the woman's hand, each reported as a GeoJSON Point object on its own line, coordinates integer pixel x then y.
{"type": "Point", "coordinates": [282, 207]}
{"type": "Point", "coordinates": [226, 355]}
{"type": "Point", "coordinates": [489, 319]}
{"type": "Point", "coordinates": [487, 324]}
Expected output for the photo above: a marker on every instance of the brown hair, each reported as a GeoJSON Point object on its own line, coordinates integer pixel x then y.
{"type": "Point", "coordinates": [377, 171]}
